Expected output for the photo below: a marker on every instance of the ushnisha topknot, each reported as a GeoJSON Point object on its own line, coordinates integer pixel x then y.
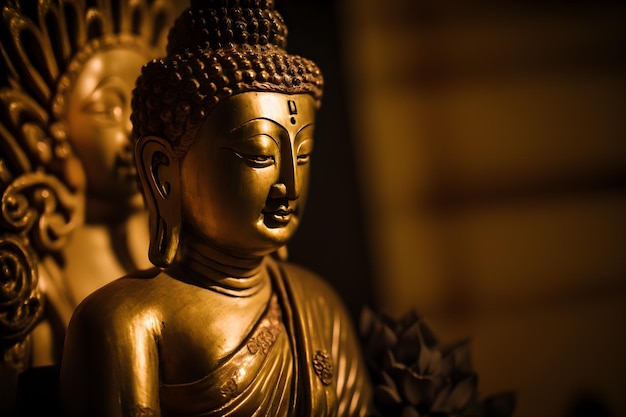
{"type": "Point", "coordinates": [216, 49]}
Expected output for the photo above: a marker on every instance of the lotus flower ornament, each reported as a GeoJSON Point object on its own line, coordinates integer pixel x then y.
{"type": "Point", "coordinates": [415, 376]}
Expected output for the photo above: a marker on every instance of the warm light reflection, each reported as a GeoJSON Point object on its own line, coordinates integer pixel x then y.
{"type": "Point", "coordinates": [144, 361]}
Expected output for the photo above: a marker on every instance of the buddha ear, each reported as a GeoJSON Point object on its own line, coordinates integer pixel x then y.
{"type": "Point", "coordinates": [159, 171]}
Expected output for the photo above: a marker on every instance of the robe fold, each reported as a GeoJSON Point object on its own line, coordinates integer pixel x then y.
{"type": "Point", "coordinates": [301, 359]}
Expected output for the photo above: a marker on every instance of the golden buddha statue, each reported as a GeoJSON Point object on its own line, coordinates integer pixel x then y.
{"type": "Point", "coordinates": [72, 217]}
{"type": "Point", "coordinates": [225, 326]}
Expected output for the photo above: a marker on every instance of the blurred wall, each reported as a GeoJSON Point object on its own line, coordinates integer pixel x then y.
{"type": "Point", "coordinates": [490, 142]}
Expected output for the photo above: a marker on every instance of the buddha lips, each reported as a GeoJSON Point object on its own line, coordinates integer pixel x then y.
{"type": "Point", "coordinates": [281, 214]}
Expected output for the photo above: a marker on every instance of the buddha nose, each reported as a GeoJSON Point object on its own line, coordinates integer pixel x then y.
{"type": "Point", "coordinates": [287, 185]}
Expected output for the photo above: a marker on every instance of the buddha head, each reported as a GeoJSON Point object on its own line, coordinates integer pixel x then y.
{"type": "Point", "coordinates": [95, 109]}
{"type": "Point", "coordinates": [225, 126]}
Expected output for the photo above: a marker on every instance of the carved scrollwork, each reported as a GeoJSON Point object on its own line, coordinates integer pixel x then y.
{"type": "Point", "coordinates": [41, 182]}
{"type": "Point", "coordinates": [30, 142]}
{"type": "Point", "coordinates": [21, 303]}
{"type": "Point", "coordinates": [41, 202]}
{"type": "Point", "coordinates": [38, 210]}
{"type": "Point", "coordinates": [43, 207]}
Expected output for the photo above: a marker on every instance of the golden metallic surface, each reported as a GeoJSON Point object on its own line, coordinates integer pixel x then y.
{"type": "Point", "coordinates": [226, 329]}
{"type": "Point", "coordinates": [221, 328]}
{"type": "Point", "coordinates": [259, 150]}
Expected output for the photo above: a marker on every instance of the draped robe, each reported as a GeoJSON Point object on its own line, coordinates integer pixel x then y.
{"type": "Point", "coordinates": [300, 359]}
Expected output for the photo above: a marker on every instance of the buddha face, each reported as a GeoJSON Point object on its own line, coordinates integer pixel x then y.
{"type": "Point", "coordinates": [245, 178]}
{"type": "Point", "coordinates": [99, 127]}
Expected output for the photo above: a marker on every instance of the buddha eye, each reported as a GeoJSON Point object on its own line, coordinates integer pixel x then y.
{"type": "Point", "coordinates": [304, 159]}
{"type": "Point", "coordinates": [259, 151]}
{"type": "Point", "coordinates": [108, 112]}
{"type": "Point", "coordinates": [106, 106]}
{"type": "Point", "coordinates": [305, 149]}
{"type": "Point", "coordinates": [260, 160]}
{"type": "Point", "coordinates": [256, 161]}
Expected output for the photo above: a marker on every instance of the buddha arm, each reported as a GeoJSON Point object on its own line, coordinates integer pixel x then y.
{"type": "Point", "coordinates": [110, 363]}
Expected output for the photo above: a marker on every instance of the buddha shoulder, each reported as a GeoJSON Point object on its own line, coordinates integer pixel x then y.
{"type": "Point", "coordinates": [116, 304]}
{"type": "Point", "coordinates": [188, 322]}
{"type": "Point", "coordinates": [151, 291]}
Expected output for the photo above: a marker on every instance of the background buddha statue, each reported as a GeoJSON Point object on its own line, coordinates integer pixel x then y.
{"type": "Point", "coordinates": [224, 327]}
{"type": "Point", "coordinates": [72, 217]}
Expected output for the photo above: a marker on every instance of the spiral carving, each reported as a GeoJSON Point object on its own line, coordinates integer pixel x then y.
{"type": "Point", "coordinates": [41, 206]}
{"type": "Point", "coordinates": [16, 211]}
{"type": "Point", "coordinates": [21, 303]}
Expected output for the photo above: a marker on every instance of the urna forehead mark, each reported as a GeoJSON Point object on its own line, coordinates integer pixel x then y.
{"type": "Point", "coordinates": [292, 110]}
{"type": "Point", "coordinates": [292, 107]}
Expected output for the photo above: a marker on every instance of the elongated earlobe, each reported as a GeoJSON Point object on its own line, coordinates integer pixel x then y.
{"type": "Point", "coordinates": [159, 173]}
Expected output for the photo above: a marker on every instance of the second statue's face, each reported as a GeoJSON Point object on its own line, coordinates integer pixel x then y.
{"type": "Point", "coordinates": [98, 120]}
{"type": "Point", "coordinates": [245, 178]}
